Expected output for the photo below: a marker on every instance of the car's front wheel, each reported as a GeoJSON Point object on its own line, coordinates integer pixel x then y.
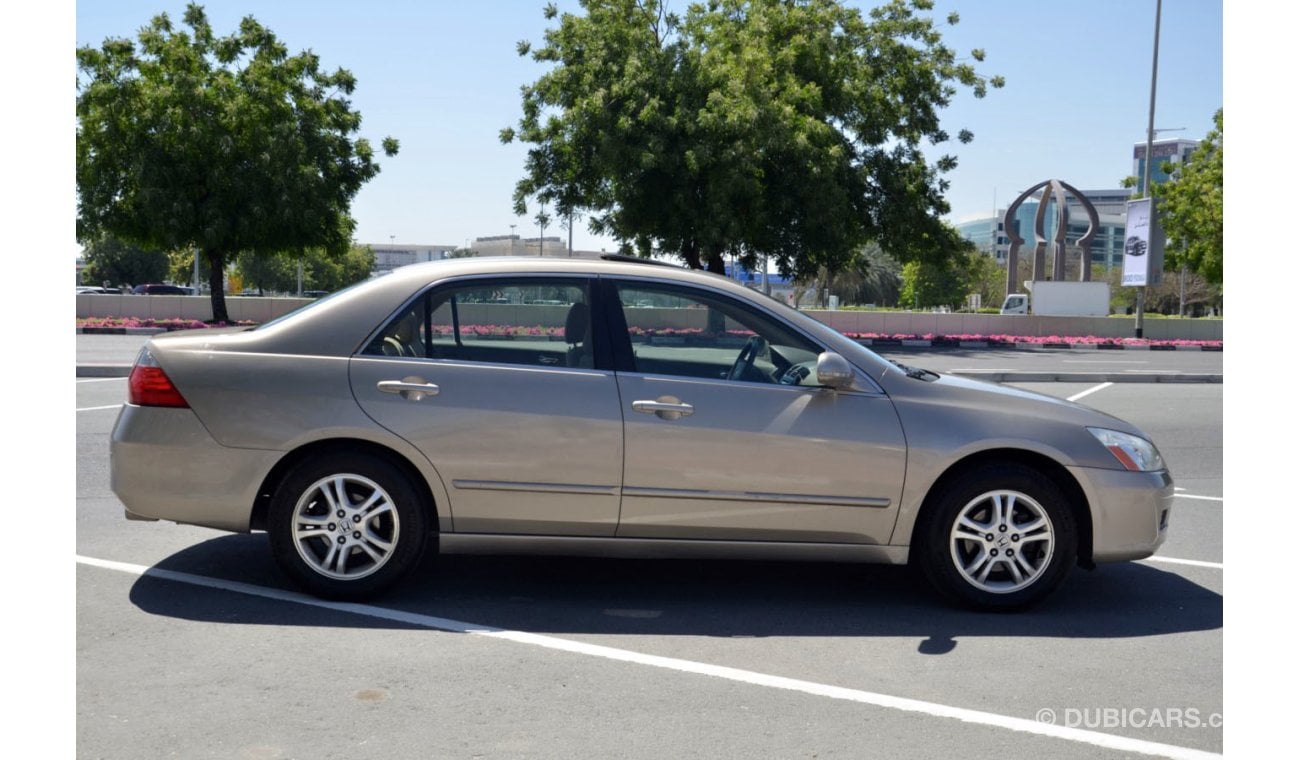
{"type": "Point", "coordinates": [347, 525]}
{"type": "Point", "coordinates": [1001, 537]}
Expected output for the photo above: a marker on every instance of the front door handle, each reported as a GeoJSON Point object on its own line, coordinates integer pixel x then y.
{"type": "Point", "coordinates": [664, 407]}
{"type": "Point", "coordinates": [411, 388]}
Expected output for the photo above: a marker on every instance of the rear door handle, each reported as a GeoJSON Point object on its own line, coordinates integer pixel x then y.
{"type": "Point", "coordinates": [410, 388]}
{"type": "Point", "coordinates": [664, 407]}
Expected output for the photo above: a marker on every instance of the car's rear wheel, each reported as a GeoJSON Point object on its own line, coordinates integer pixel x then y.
{"type": "Point", "coordinates": [1000, 537]}
{"type": "Point", "coordinates": [347, 526]}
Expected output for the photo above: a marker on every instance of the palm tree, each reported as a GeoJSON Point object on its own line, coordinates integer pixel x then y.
{"type": "Point", "coordinates": [869, 276]}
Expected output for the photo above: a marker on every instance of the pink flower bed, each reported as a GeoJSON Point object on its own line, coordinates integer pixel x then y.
{"type": "Point", "coordinates": [511, 331]}
{"type": "Point", "coordinates": [166, 324]}
{"type": "Point", "coordinates": [1039, 340]}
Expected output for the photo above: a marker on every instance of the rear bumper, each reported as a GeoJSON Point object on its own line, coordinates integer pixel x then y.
{"type": "Point", "coordinates": [1130, 511]}
{"type": "Point", "coordinates": [163, 465]}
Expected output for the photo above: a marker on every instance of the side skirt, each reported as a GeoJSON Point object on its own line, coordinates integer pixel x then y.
{"type": "Point", "coordinates": [667, 548]}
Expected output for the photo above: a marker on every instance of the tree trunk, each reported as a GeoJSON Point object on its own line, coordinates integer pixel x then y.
{"type": "Point", "coordinates": [216, 282]}
{"type": "Point", "coordinates": [692, 255]}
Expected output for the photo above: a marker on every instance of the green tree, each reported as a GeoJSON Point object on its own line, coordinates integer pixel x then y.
{"type": "Point", "coordinates": [941, 271]}
{"type": "Point", "coordinates": [180, 266]}
{"type": "Point", "coordinates": [981, 274]}
{"type": "Point", "coordinates": [1191, 209]}
{"type": "Point", "coordinates": [109, 259]}
{"type": "Point", "coordinates": [927, 285]}
{"type": "Point", "coordinates": [277, 274]}
{"type": "Point", "coordinates": [320, 270]}
{"type": "Point", "coordinates": [869, 276]}
{"type": "Point", "coordinates": [324, 272]}
{"type": "Point", "coordinates": [1198, 296]}
{"type": "Point", "coordinates": [221, 144]}
{"type": "Point", "coordinates": [744, 128]}
{"type": "Point", "coordinates": [882, 277]}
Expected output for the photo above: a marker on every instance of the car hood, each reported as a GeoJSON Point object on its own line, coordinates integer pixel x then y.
{"type": "Point", "coordinates": [954, 416]}
{"type": "Point", "coordinates": [965, 390]}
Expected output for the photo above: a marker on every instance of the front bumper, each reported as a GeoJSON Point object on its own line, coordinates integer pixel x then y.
{"type": "Point", "coordinates": [164, 465]}
{"type": "Point", "coordinates": [1130, 511]}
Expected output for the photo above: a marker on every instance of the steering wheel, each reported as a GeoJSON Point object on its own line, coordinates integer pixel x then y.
{"type": "Point", "coordinates": [795, 374]}
{"type": "Point", "coordinates": [753, 348]}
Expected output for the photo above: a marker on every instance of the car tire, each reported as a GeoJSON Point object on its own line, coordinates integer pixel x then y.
{"type": "Point", "coordinates": [347, 525]}
{"type": "Point", "coordinates": [1001, 537]}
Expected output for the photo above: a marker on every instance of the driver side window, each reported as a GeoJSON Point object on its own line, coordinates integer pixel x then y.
{"type": "Point", "coordinates": [681, 332]}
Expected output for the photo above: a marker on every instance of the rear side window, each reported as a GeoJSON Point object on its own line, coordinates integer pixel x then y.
{"type": "Point", "coordinates": [531, 321]}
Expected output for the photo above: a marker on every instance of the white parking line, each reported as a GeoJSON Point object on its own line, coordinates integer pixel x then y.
{"type": "Point", "coordinates": [978, 717]}
{"type": "Point", "coordinates": [97, 408]}
{"type": "Point", "coordinates": [1194, 496]}
{"type": "Point", "coordinates": [1192, 562]}
{"type": "Point", "coordinates": [99, 380]}
{"type": "Point", "coordinates": [1089, 392]}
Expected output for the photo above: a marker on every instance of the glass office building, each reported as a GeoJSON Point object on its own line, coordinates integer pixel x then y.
{"type": "Point", "coordinates": [1173, 152]}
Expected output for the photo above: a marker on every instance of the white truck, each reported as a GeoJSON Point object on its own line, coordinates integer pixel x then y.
{"type": "Point", "coordinates": [1060, 299]}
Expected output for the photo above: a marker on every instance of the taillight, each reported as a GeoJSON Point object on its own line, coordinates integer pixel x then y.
{"type": "Point", "coordinates": [150, 386]}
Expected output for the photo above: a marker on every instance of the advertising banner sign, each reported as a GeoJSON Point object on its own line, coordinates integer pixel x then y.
{"type": "Point", "coordinates": [1144, 245]}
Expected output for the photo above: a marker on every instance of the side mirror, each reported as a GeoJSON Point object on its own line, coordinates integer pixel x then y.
{"type": "Point", "coordinates": [834, 371]}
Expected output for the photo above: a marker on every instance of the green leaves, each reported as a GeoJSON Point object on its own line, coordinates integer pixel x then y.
{"type": "Point", "coordinates": [110, 260]}
{"type": "Point", "coordinates": [224, 144]}
{"type": "Point", "coordinates": [1191, 208]}
{"type": "Point", "coordinates": [320, 270]}
{"type": "Point", "coordinates": [744, 127]}
{"type": "Point", "coordinates": [935, 281]}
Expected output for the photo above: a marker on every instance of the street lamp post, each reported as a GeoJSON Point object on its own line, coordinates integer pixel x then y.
{"type": "Point", "coordinates": [512, 239]}
{"type": "Point", "coordinates": [1151, 138]}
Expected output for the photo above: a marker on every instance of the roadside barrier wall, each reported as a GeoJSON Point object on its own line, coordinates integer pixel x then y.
{"type": "Point", "coordinates": [253, 309]}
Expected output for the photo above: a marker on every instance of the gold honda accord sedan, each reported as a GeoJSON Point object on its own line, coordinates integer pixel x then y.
{"type": "Point", "coordinates": [615, 408]}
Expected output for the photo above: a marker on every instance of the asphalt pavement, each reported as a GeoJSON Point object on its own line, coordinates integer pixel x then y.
{"type": "Point", "coordinates": [112, 355]}
{"type": "Point", "coordinates": [191, 643]}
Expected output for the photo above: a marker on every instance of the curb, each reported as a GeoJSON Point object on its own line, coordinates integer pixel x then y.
{"type": "Point", "coordinates": [1002, 376]}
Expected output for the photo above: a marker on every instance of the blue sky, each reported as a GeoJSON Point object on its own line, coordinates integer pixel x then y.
{"type": "Point", "coordinates": [444, 78]}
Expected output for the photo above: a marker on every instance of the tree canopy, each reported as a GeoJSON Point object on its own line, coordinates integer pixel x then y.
{"type": "Point", "coordinates": [222, 144]}
{"type": "Point", "coordinates": [1191, 208]}
{"type": "Point", "coordinates": [117, 263]}
{"type": "Point", "coordinates": [928, 283]}
{"type": "Point", "coordinates": [319, 270]}
{"type": "Point", "coordinates": [745, 128]}
{"type": "Point", "coordinates": [868, 276]}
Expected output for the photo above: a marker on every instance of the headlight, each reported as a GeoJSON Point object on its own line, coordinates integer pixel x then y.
{"type": "Point", "coordinates": [1137, 454]}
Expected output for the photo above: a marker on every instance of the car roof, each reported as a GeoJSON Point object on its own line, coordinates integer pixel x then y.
{"type": "Point", "coordinates": [611, 265]}
{"type": "Point", "coordinates": [334, 325]}
{"type": "Point", "coordinates": [331, 325]}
